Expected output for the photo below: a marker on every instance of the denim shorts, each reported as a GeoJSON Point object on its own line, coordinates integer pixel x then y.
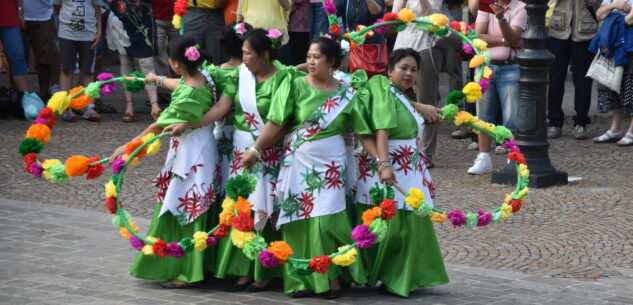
{"type": "Point", "coordinates": [502, 95]}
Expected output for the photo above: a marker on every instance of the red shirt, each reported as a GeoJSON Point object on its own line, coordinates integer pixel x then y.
{"type": "Point", "coordinates": [163, 9]}
{"type": "Point", "coordinates": [9, 13]}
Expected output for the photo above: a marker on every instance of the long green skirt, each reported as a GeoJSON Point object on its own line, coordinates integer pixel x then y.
{"type": "Point", "coordinates": [189, 268]}
{"type": "Point", "coordinates": [232, 261]}
{"type": "Point", "coordinates": [320, 235]}
{"type": "Point", "coordinates": [408, 258]}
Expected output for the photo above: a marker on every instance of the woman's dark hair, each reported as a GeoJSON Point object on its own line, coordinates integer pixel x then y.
{"type": "Point", "coordinates": [177, 48]}
{"type": "Point", "coordinates": [330, 48]}
{"type": "Point", "coordinates": [400, 54]}
{"type": "Point", "coordinates": [231, 43]}
{"type": "Point", "coordinates": [259, 42]}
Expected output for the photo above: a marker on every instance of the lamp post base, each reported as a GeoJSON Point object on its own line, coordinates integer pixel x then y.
{"type": "Point", "coordinates": [508, 175]}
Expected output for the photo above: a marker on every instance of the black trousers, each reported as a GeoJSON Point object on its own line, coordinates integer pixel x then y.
{"type": "Point", "coordinates": [576, 52]}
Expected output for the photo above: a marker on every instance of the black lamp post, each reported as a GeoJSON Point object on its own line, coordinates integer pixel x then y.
{"type": "Point", "coordinates": [534, 61]}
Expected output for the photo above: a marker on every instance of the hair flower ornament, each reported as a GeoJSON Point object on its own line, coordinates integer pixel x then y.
{"type": "Point", "coordinates": [275, 36]}
{"type": "Point", "coordinates": [240, 30]}
{"type": "Point", "coordinates": [192, 53]}
{"type": "Point", "coordinates": [345, 46]}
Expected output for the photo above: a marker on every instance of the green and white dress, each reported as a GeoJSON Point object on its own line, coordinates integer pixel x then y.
{"type": "Point", "coordinates": [311, 186]}
{"type": "Point", "coordinates": [409, 257]}
{"type": "Point", "coordinates": [186, 189]}
{"type": "Point", "coordinates": [252, 106]}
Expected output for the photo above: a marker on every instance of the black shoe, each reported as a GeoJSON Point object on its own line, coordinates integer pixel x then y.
{"type": "Point", "coordinates": [238, 287]}
{"type": "Point", "coordinates": [333, 294]}
{"type": "Point", "coordinates": [300, 294]}
{"type": "Point", "coordinates": [171, 285]}
{"type": "Point", "coordinates": [253, 288]}
{"type": "Point", "coordinates": [384, 290]}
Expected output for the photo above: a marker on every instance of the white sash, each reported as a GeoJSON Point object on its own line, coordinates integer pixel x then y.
{"type": "Point", "coordinates": [407, 104]}
{"type": "Point", "coordinates": [248, 100]}
{"type": "Point", "coordinates": [342, 77]}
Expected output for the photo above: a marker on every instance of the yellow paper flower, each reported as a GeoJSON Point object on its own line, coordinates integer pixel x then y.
{"type": "Point", "coordinates": [125, 233]}
{"type": "Point", "coordinates": [152, 148]}
{"type": "Point", "coordinates": [346, 258]}
{"type": "Point", "coordinates": [136, 229]}
{"type": "Point", "coordinates": [523, 169]}
{"type": "Point", "coordinates": [239, 239]}
{"type": "Point", "coordinates": [462, 117]}
{"type": "Point", "coordinates": [438, 217]}
{"type": "Point", "coordinates": [59, 102]}
{"type": "Point", "coordinates": [508, 197]}
{"type": "Point", "coordinates": [406, 15]}
{"type": "Point", "coordinates": [523, 192]}
{"type": "Point", "coordinates": [472, 91]}
{"type": "Point", "coordinates": [506, 211]}
{"type": "Point", "coordinates": [228, 204]}
{"type": "Point", "coordinates": [134, 162]}
{"type": "Point", "coordinates": [477, 61]}
{"type": "Point", "coordinates": [480, 44]}
{"type": "Point", "coordinates": [226, 217]}
{"type": "Point", "coordinates": [438, 19]}
{"type": "Point", "coordinates": [487, 72]}
{"type": "Point", "coordinates": [200, 235]}
{"type": "Point", "coordinates": [147, 250]}
{"type": "Point", "coordinates": [110, 189]}
{"type": "Point", "coordinates": [176, 21]}
{"type": "Point", "coordinates": [200, 245]}
{"type": "Point", "coordinates": [47, 164]}
{"type": "Point", "coordinates": [415, 198]}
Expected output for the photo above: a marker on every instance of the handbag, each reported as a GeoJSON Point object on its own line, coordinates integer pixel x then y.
{"type": "Point", "coordinates": [604, 71]}
{"type": "Point", "coordinates": [370, 57]}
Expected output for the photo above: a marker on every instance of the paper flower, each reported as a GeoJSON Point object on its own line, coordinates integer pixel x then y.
{"type": "Point", "coordinates": [125, 233]}
{"type": "Point", "coordinates": [468, 49]}
{"type": "Point", "coordinates": [136, 243]}
{"type": "Point", "coordinates": [483, 218]}
{"type": "Point", "coordinates": [274, 34]}
{"type": "Point", "coordinates": [471, 220]}
{"type": "Point", "coordinates": [95, 170]}
{"type": "Point", "coordinates": [117, 165]}
{"type": "Point", "coordinates": [362, 236]}
{"type": "Point", "coordinates": [58, 173]}
{"type": "Point", "coordinates": [252, 248]}
{"type": "Point", "coordinates": [180, 7]}
{"type": "Point", "coordinates": [244, 222]}
{"type": "Point", "coordinates": [39, 131]}
{"type": "Point", "coordinates": [93, 90]}
{"type": "Point", "coordinates": [174, 250]}
{"type": "Point", "coordinates": [515, 204]}
{"type": "Point", "coordinates": [320, 264]}
{"type": "Point", "coordinates": [176, 21]}
{"type": "Point", "coordinates": [506, 211]}
{"type": "Point", "coordinates": [200, 235]}
{"type": "Point", "coordinates": [456, 25]}
{"type": "Point", "coordinates": [268, 259]}
{"type": "Point", "coordinates": [226, 217]}
{"type": "Point", "coordinates": [187, 244]}
{"type": "Point", "coordinates": [516, 157]}
{"type": "Point", "coordinates": [30, 145]}
{"type": "Point", "coordinates": [472, 91]}
{"type": "Point", "coordinates": [200, 244]}
{"type": "Point", "coordinates": [329, 7]}
{"type": "Point", "coordinates": [110, 189]}
{"type": "Point", "coordinates": [457, 218]}
{"type": "Point", "coordinates": [388, 207]}
{"type": "Point", "coordinates": [381, 29]}
{"type": "Point", "coordinates": [280, 249]}
{"type": "Point", "coordinates": [240, 29]}
{"type": "Point", "coordinates": [415, 198]}
{"type": "Point", "coordinates": [80, 101]}
{"type": "Point", "coordinates": [133, 83]}
{"type": "Point", "coordinates": [221, 231]}
{"type": "Point", "coordinates": [192, 53]}
{"type": "Point", "coordinates": [480, 44]}
{"type": "Point", "coordinates": [438, 217]}
{"type": "Point", "coordinates": [47, 114]}
{"type": "Point", "coordinates": [439, 19]}
{"type": "Point", "coordinates": [77, 165]}
{"type": "Point", "coordinates": [132, 146]}
{"type": "Point", "coordinates": [160, 248]}
{"type": "Point", "coordinates": [370, 214]}
{"type": "Point", "coordinates": [379, 228]}
{"type": "Point", "coordinates": [59, 102]}
{"type": "Point", "coordinates": [484, 83]}
{"type": "Point", "coordinates": [240, 185]}
{"type": "Point", "coordinates": [488, 73]}
{"type": "Point", "coordinates": [390, 17]}
{"type": "Point", "coordinates": [36, 169]}
{"type": "Point", "coordinates": [406, 15]}
{"type": "Point", "coordinates": [133, 162]}
{"type": "Point", "coordinates": [227, 204]}
{"type": "Point", "coordinates": [345, 46]}
{"type": "Point", "coordinates": [476, 61]}
{"type": "Point", "coordinates": [335, 30]}
{"type": "Point", "coordinates": [153, 147]}
{"type": "Point", "coordinates": [423, 210]}
{"type": "Point", "coordinates": [111, 205]}
{"type": "Point", "coordinates": [243, 205]}
{"type": "Point", "coordinates": [147, 250]}
{"type": "Point", "coordinates": [346, 258]}
{"type": "Point", "coordinates": [511, 145]}
{"type": "Point", "coordinates": [211, 241]}
{"type": "Point", "coordinates": [109, 88]}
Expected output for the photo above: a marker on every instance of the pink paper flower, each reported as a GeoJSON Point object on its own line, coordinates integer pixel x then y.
{"type": "Point", "coordinates": [117, 165]}
{"type": "Point", "coordinates": [108, 88]}
{"type": "Point", "coordinates": [468, 49]}
{"type": "Point", "coordinates": [484, 218]}
{"type": "Point", "coordinates": [484, 83]}
{"type": "Point", "coordinates": [457, 218]}
{"type": "Point", "coordinates": [362, 236]}
{"type": "Point", "coordinates": [274, 34]}
{"type": "Point", "coordinates": [136, 242]}
{"type": "Point", "coordinates": [36, 169]}
{"type": "Point", "coordinates": [328, 36]}
{"type": "Point", "coordinates": [175, 250]}
{"type": "Point", "coordinates": [381, 29]}
{"type": "Point", "coordinates": [40, 121]}
{"type": "Point", "coordinates": [511, 145]}
{"type": "Point", "coordinates": [240, 29]}
{"type": "Point", "coordinates": [329, 7]}
{"type": "Point", "coordinates": [192, 53]}
{"type": "Point", "coordinates": [268, 259]}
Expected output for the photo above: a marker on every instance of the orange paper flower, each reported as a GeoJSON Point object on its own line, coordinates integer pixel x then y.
{"type": "Point", "coordinates": [77, 165]}
{"type": "Point", "coordinates": [40, 132]}
{"type": "Point", "coordinates": [280, 249]}
{"type": "Point", "coordinates": [437, 217]}
{"type": "Point", "coordinates": [242, 205]}
{"type": "Point", "coordinates": [132, 146]}
{"type": "Point", "coordinates": [406, 15]}
{"type": "Point", "coordinates": [370, 215]}
{"type": "Point", "coordinates": [81, 101]}
{"type": "Point", "coordinates": [226, 217]}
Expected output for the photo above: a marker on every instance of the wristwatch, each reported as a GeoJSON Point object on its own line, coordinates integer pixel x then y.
{"type": "Point", "coordinates": [501, 20]}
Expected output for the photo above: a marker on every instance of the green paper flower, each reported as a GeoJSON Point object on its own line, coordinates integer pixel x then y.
{"type": "Point", "coordinates": [114, 178]}
{"type": "Point", "coordinates": [456, 97]}
{"type": "Point", "coordinates": [187, 244]}
{"type": "Point", "coordinates": [252, 248]}
{"type": "Point", "coordinates": [496, 216]}
{"type": "Point", "coordinates": [58, 173]}
{"type": "Point", "coordinates": [423, 210]}
{"type": "Point", "coordinates": [240, 185]}
{"type": "Point", "coordinates": [135, 85]}
{"type": "Point", "coordinates": [93, 90]}
{"type": "Point", "coordinates": [379, 228]}
{"type": "Point", "coordinates": [449, 112]}
{"type": "Point", "coordinates": [441, 32]}
{"type": "Point", "coordinates": [30, 145]}
{"type": "Point", "coordinates": [501, 133]}
{"type": "Point", "coordinates": [332, 19]}
{"type": "Point", "coordinates": [471, 219]}
{"type": "Point", "coordinates": [301, 269]}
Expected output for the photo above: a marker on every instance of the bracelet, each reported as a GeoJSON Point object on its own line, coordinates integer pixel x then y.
{"type": "Point", "coordinates": [255, 150]}
{"type": "Point", "coordinates": [159, 81]}
{"type": "Point", "coordinates": [382, 165]}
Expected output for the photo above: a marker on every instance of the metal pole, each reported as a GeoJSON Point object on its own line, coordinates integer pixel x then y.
{"type": "Point", "coordinates": [534, 61]}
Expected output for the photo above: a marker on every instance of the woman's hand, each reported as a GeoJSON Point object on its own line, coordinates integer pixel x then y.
{"type": "Point", "coordinates": [120, 151]}
{"type": "Point", "coordinates": [177, 128]}
{"type": "Point", "coordinates": [151, 77]}
{"type": "Point", "coordinates": [387, 176]}
{"type": "Point", "coordinates": [498, 10]}
{"type": "Point", "coordinates": [248, 159]}
{"type": "Point", "coordinates": [622, 5]}
{"type": "Point", "coordinates": [431, 114]}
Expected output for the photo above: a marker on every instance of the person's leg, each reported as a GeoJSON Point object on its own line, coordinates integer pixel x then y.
{"type": "Point", "coordinates": [87, 60]}
{"type": "Point", "coordinates": [14, 49]}
{"type": "Point", "coordinates": [194, 24]}
{"type": "Point", "coordinates": [454, 64]}
{"type": "Point", "coordinates": [213, 32]}
{"type": "Point", "coordinates": [582, 84]}
{"type": "Point", "coordinates": [428, 93]}
{"type": "Point", "coordinates": [311, 19]}
{"type": "Point", "coordinates": [557, 74]}
{"type": "Point", "coordinates": [508, 92]}
{"type": "Point", "coordinates": [68, 52]}
{"type": "Point", "coordinates": [320, 20]}
{"type": "Point", "coordinates": [127, 66]}
{"type": "Point", "coordinates": [147, 66]}
{"type": "Point", "coordinates": [160, 60]}
{"type": "Point", "coordinates": [487, 109]}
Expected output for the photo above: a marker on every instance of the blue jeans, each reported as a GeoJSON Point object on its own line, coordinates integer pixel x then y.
{"type": "Point", "coordinates": [503, 92]}
{"type": "Point", "coordinates": [14, 48]}
{"type": "Point", "coordinates": [317, 19]}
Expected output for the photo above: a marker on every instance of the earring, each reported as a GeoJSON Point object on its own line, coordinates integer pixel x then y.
{"type": "Point", "coordinates": [263, 65]}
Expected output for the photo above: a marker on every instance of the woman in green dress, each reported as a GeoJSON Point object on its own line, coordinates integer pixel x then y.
{"type": "Point", "coordinates": [186, 183]}
{"type": "Point", "coordinates": [249, 95]}
{"type": "Point", "coordinates": [409, 257]}
{"type": "Point", "coordinates": [311, 185]}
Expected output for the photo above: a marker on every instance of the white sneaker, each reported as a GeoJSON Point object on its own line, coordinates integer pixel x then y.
{"type": "Point", "coordinates": [483, 165]}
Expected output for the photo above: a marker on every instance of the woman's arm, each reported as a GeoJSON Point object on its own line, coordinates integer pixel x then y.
{"type": "Point", "coordinates": [97, 37]}
{"type": "Point", "coordinates": [369, 143]}
{"type": "Point", "coordinates": [218, 111]}
{"type": "Point", "coordinates": [382, 141]}
{"type": "Point", "coordinates": [605, 10]}
{"type": "Point", "coordinates": [431, 114]}
{"type": "Point", "coordinates": [270, 135]}
{"type": "Point", "coordinates": [473, 7]}
{"type": "Point", "coordinates": [374, 8]}
{"type": "Point", "coordinates": [154, 128]}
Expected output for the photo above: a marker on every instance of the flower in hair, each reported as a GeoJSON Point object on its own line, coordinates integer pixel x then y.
{"type": "Point", "coordinates": [274, 34]}
{"type": "Point", "coordinates": [240, 29]}
{"type": "Point", "coordinates": [345, 46]}
{"type": "Point", "coordinates": [192, 53]}
{"type": "Point", "coordinates": [328, 36]}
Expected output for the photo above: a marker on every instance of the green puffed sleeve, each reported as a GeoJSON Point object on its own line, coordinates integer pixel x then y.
{"type": "Point", "coordinates": [382, 107]}
{"type": "Point", "coordinates": [188, 105]}
{"type": "Point", "coordinates": [360, 114]}
{"type": "Point", "coordinates": [282, 102]}
{"type": "Point", "coordinates": [227, 82]}
{"type": "Point", "coordinates": [359, 79]}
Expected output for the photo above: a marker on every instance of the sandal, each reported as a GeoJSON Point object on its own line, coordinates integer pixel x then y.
{"type": "Point", "coordinates": [500, 150]}
{"type": "Point", "coordinates": [128, 118]}
{"type": "Point", "coordinates": [627, 140]}
{"type": "Point", "coordinates": [103, 107]}
{"type": "Point", "coordinates": [608, 137]}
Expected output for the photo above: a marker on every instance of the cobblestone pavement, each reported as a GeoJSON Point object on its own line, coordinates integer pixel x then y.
{"type": "Point", "coordinates": [60, 255]}
{"type": "Point", "coordinates": [580, 232]}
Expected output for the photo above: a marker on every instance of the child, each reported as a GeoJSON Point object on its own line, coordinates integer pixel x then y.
{"type": "Point", "coordinates": [188, 172]}
{"type": "Point", "coordinates": [79, 34]}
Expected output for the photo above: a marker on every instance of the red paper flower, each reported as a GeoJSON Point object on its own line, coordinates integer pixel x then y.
{"type": "Point", "coordinates": [222, 231]}
{"type": "Point", "coordinates": [47, 114]}
{"type": "Point", "coordinates": [180, 7]}
{"type": "Point", "coordinates": [320, 264]}
{"type": "Point", "coordinates": [335, 30]}
{"type": "Point", "coordinates": [160, 248]}
{"type": "Point", "coordinates": [96, 170]}
{"type": "Point", "coordinates": [30, 158]}
{"type": "Point", "coordinates": [390, 17]}
{"type": "Point", "coordinates": [456, 25]}
{"type": "Point", "coordinates": [388, 207]}
{"type": "Point", "coordinates": [515, 204]}
{"type": "Point", "coordinates": [111, 205]}
{"type": "Point", "coordinates": [243, 222]}
{"type": "Point", "coordinates": [516, 157]}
